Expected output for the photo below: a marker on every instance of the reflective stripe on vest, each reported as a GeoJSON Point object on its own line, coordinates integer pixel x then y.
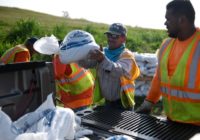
{"type": "Point", "coordinates": [127, 85]}
{"type": "Point", "coordinates": [164, 45]}
{"type": "Point", "coordinates": [9, 55]}
{"type": "Point", "coordinates": [78, 81]}
{"type": "Point", "coordinates": [177, 79]}
{"type": "Point", "coordinates": [193, 69]}
{"type": "Point", "coordinates": [127, 92]}
{"type": "Point", "coordinates": [181, 94]}
{"type": "Point", "coordinates": [181, 97]}
{"type": "Point", "coordinates": [73, 79]}
{"type": "Point", "coordinates": [77, 88]}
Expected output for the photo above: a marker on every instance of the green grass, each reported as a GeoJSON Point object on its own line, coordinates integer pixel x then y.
{"type": "Point", "coordinates": [139, 39]}
{"type": "Point", "coordinates": [18, 24]}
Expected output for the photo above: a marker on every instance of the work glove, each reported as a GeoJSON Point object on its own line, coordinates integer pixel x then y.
{"type": "Point", "coordinates": [145, 108]}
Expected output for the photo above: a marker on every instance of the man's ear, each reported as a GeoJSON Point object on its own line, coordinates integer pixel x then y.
{"type": "Point", "coordinates": [182, 19]}
{"type": "Point", "coordinates": [123, 38]}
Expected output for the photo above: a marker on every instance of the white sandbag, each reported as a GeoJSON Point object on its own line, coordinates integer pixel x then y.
{"type": "Point", "coordinates": [47, 104]}
{"type": "Point", "coordinates": [120, 137]}
{"type": "Point", "coordinates": [76, 46]}
{"type": "Point", "coordinates": [150, 58]}
{"type": "Point", "coordinates": [47, 45]}
{"type": "Point", "coordinates": [138, 57]}
{"type": "Point", "coordinates": [150, 65]}
{"type": "Point", "coordinates": [140, 63]}
{"type": "Point", "coordinates": [139, 83]}
{"type": "Point", "coordinates": [142, 87]}
{"type": "Point", "coordinates": [152, 70]}
{"type": "Point", "coordinates": [56, 125]}
{"type": "Point", "coordinates": [63, 125]}
{"type": "Point", "coordinates": [195, 137]}
{"type": "Point", "coordinates": [5, 127]}
{"type": "Point", "coordinates": [27, 123]}
{"type": "Point", "coordinates": [143, 70]}
{"type": "Point", "coordinates": [33, 136]}
{"type": "Point", "coordinates": [47, 122]}
{"type": "Point", "coordinates": [76, 54]}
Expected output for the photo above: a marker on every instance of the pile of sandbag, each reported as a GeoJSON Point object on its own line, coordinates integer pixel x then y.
{"type": "Point", "coordinates": [142, 87]}
{"type": "Point", "coordinates": [47, 122]}
{"type": "Point", "coordinates": [147, 63]}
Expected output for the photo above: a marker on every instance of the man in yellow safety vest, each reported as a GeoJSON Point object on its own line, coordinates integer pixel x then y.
{"type": "Point", "coordinates": [177, 78]}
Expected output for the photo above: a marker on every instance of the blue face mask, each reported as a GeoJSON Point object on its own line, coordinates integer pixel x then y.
{"type": "Point", "coordinates": [113, 55]}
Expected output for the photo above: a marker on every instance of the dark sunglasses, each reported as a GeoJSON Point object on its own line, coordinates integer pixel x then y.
{"type": "Point", "coordinates": [113, 36]}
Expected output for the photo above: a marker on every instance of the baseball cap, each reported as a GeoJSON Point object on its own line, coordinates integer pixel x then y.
{"type": "Point", "coordinates": [117, 29]}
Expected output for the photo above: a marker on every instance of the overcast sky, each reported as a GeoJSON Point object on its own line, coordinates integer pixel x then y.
{"type": "Point", "coordinates": [142, 13]}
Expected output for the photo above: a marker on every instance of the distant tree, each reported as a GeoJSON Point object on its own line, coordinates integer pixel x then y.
{"type": "Point", "coordinates": [65, 14]}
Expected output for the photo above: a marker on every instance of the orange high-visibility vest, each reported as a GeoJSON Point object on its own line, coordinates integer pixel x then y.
{"type": "Point", "coordinates": [181, 91]}
{"type": "Point", "coordinates": [128, 85]}
{"type": "Point", "coordinates": [9, 55]}
{"type": "Point", "coordinates": [76, 89]}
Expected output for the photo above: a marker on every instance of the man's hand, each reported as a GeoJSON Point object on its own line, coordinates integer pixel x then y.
{"type": "Point", "coordinates": [96, 55]}
{"type": "Point", "coordinates": [145, 108]}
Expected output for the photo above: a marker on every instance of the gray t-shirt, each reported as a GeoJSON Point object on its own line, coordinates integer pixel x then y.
{"type": "Point", "coordinates": [109, 74]}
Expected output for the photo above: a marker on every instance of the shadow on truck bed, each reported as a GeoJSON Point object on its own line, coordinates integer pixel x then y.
{"type": "Point", "coordinates": [24, 86]}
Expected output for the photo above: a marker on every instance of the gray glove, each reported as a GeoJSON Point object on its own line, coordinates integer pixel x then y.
{"type": "Point", "coordinates": [145, 108]}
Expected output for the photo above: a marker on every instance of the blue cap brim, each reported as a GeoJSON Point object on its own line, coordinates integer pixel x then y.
{"type": "Point", "coordinates": [115, 33]}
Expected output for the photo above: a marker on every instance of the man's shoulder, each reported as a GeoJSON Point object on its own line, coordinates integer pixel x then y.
{"type": "Point", "coordinates": [127, 54]}
{"type": "Point", "coordinates": [127, 51]}
{"type": "Point", "coordinates": [198, 34]}
{"type": "Point", "coordinates": [166, 41]}
{"type": "Point", "coordinates": [15, 48]}
{"type": "Point", "coordinates": [21, 47]}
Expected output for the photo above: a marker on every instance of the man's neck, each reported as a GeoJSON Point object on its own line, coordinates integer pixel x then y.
{"type": "Point", "coordinates": [187, 33]}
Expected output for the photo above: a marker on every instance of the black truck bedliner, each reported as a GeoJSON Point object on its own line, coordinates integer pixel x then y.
{"type": "Point", "coordinates": [107, 123]}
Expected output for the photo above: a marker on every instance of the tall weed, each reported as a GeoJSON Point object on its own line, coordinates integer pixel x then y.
{"type": "Point", "coordinates": [23, 29]}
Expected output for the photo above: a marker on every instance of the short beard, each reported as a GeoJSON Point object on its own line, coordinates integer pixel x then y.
{"type": "Point", "coordinates": [173, 35]}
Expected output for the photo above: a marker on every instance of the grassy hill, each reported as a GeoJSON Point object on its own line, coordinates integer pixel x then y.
{"type": "Point", "coordinates": [18, 24]}
{"type": "Point", "coordinates": [9, 17]}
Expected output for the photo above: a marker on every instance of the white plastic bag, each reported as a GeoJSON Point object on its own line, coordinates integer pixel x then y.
{"type": "Point", "coordinates": [5, 127]}
{"type": "Point", "coordinates": [120, 137]}
{"type": "Point", "coordinates": [47, 122]}
{"type": "Point", "coordinates": [47, 45]}
{"type": "Point", "coordinates": [32, 136]}
{"type": "Point", "coordinates": [27, 123]}
{"type": "Point", "coordinates": [63, 125]}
